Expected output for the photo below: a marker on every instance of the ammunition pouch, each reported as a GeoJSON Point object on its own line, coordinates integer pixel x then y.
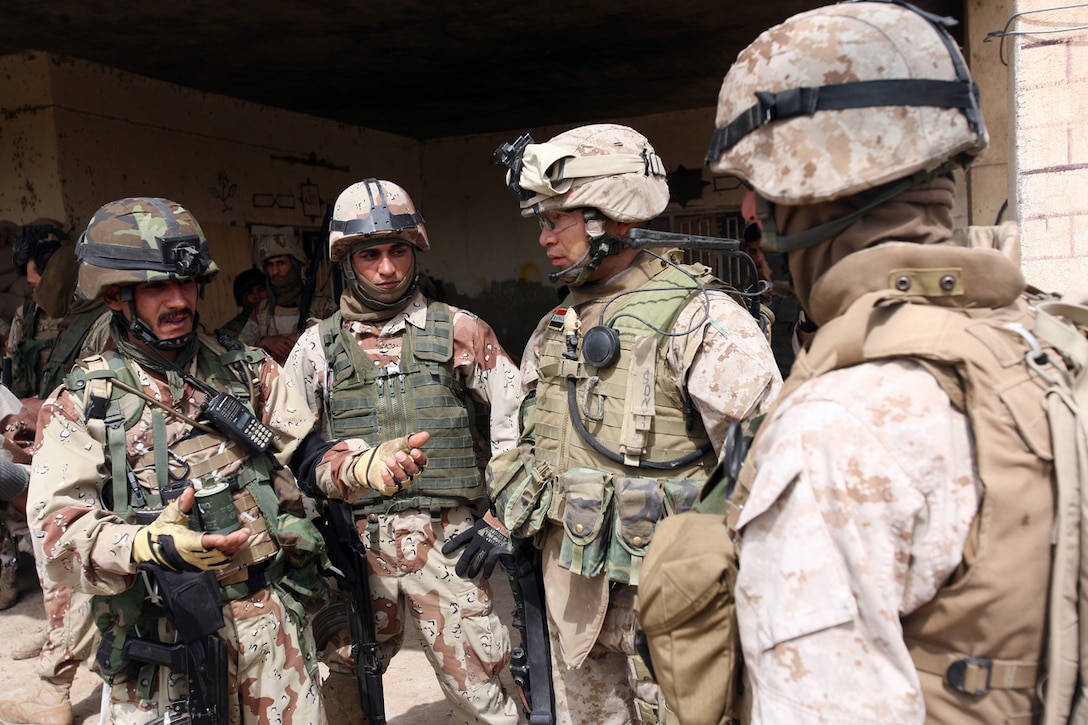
{"type": "Point", "coordinates": [587, 498]}
{"type": "Point", "coordinates": [609, 520]}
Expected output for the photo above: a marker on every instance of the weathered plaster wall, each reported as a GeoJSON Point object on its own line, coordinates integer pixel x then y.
{"type": "Point", "coordinates": [30, 183]}
{"type": "Point", "coordinates": [79, 135]}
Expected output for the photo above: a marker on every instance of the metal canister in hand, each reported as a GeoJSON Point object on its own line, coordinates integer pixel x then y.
{"type": "Point", "coordinates": [216, 506]}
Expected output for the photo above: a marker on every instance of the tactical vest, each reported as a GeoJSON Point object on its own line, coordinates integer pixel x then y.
{"type": "Point", "coordinates": [137, 484]}
{"type": "Point", "coordinates": [284, 551]}
{"type": "Point", "coordinates": [647, 452]}
{"type": "Point", "coordinates": [979, 644]}
{"type": "Point", "coordinates": [420, 393]}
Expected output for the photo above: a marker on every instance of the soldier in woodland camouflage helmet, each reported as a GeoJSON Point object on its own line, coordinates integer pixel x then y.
{"type": "Point", "coordinates": [597, 488]}
{"type": "Point", "coordinates": [126, 440]}
{"type": "Point", "coordinates": [868, 484]}
{"type": "Point", "coordinates": [392, 360]}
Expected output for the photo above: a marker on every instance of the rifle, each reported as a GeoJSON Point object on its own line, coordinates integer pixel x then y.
{"type": "Point", "coordinates": [530, 662]}
{"type": "Point", "coordinates": [351, 570]}
{"type": "Point", "coordinates": [192, 604]}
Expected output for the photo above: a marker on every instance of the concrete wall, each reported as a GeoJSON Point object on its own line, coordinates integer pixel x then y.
{"type": "Point", "coordinates": [79, 135]}
{"type": "Point", "coordinates": [1049, 81]}
{"type": "Point", "coordinates": [76, 135]}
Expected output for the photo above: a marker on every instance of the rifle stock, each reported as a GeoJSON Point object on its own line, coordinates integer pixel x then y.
{"type": "Point", "coordinates": [530, 662]}
{"type": "Point", "coordinates": [349, 557]}
{"type": "Point", "coordinates": [191, 602]}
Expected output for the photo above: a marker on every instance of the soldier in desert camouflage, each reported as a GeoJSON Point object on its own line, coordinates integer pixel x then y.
{"type": "Point", "coordinates": [633, 382]}
{"type": "Point", "coordinates": [896, 515]}
{"type": "Point", "coordinates": [289, 306]}
{"type": "Point", "coordinates": [126, 426]}
{"type": "Point", "coordinates": [389, 362]}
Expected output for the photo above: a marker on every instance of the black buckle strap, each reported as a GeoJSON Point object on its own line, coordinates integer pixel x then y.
{"type": "Point", "coordinates": [862, 94]}
{"type": "Point", "coordinates": [965, 673]}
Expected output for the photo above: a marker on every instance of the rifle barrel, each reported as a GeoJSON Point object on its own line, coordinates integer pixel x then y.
{"type": "Point", "coordinates": [642, 238]}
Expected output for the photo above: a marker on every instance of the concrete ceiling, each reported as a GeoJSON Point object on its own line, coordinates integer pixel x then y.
{"type": "Point", "coordinates": [419, 68]}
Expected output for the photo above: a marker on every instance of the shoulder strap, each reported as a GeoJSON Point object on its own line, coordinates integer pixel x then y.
{"type": "Point", "coordinates": [65, 350]}
{"type": "Point", "coordinates": [106, 420]}
{"type": "Point", "coordinates": [1062, 325]}
{"type": "Point", "coordinates": [435, 342]}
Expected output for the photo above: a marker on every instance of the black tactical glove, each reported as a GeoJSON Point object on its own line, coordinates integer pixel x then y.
{"type": "Point", "coordinates": [484, 544]}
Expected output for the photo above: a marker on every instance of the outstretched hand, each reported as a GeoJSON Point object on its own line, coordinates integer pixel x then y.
{"type": "Point", "coordinates": [230, 544]}
{"type": "Point", "coordinates": [391, 466]}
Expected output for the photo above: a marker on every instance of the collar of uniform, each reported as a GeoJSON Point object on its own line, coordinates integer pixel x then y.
{"type": "Point", "coordinates": [984, 277]}
{"type": "Point", "coordinates": [413, 313]}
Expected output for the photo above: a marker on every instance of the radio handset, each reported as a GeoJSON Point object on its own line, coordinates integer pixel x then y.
{"type": "Point", "coordinates": [227, 415]}
{"type": "Point", "coordinates": [224, 412]}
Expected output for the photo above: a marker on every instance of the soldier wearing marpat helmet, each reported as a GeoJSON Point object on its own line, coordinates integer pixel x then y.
{"type": "Point", "coordinates": [392, 361]}
{"type": "Point", "coordinates": [640, 371]}
{"type": "Point", "coordinates": [127, 439]}
{"type": "Point", "coordinates": [895, 522]}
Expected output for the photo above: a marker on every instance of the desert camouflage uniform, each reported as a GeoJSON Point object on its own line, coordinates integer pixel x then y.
{"type": "Point", "coordinates": [82, 544]}
{"type": "Point", "coordinates": [878, 467]}
{"type": "Point", "coordinates": [70, 631]}
{"type": "Point", "coordinates": [465, 642]}
{"type": "Point", "coordinates": [268, 321]}
{"type": "Point", "coordinates": [725, 367]}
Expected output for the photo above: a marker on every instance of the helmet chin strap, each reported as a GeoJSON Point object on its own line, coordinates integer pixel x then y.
{"type": "Point", "coordinates": [372, 302]}
{"type": "Point", "coordinates": [601, 244]}
{"type": "Point", "coordinates": [142, 332]}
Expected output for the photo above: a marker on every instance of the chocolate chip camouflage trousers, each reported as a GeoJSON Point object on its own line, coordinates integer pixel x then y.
{"type": "Point", "coordinates": [269, 681]}
{"type": "Point", "coordinates": [411, 580]}
{"type": "Point", "coordinates": [612, 687]}
{"type": "Point", "coordinates": [72, 632]}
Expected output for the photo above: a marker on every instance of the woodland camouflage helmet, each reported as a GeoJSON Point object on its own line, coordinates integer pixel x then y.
{"type": "Point", "coordinates": [605, 166]}
{"type": "Point", "coordinates": [136, 240]}
{"type": "Point", "coordinates": [37, 241]}
{"type": "Point", "coordinates": [845, 98]}
{"type": "Point", "coordinates": [373, 210]}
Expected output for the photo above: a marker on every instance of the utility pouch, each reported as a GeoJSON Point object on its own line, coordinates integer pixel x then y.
{"type": "Point", "coordinates": [587, 498]}
{"type": "Point", "coordinates": [640, 504]}
{"type": "Point", "coordinates": [530, 498]}
{"type": "Point", "coordinates": [688, 614]}
{"type": "Point", "coordinates": [520, 489]}
{"type": "Point", "coordinates": [681, 495]}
